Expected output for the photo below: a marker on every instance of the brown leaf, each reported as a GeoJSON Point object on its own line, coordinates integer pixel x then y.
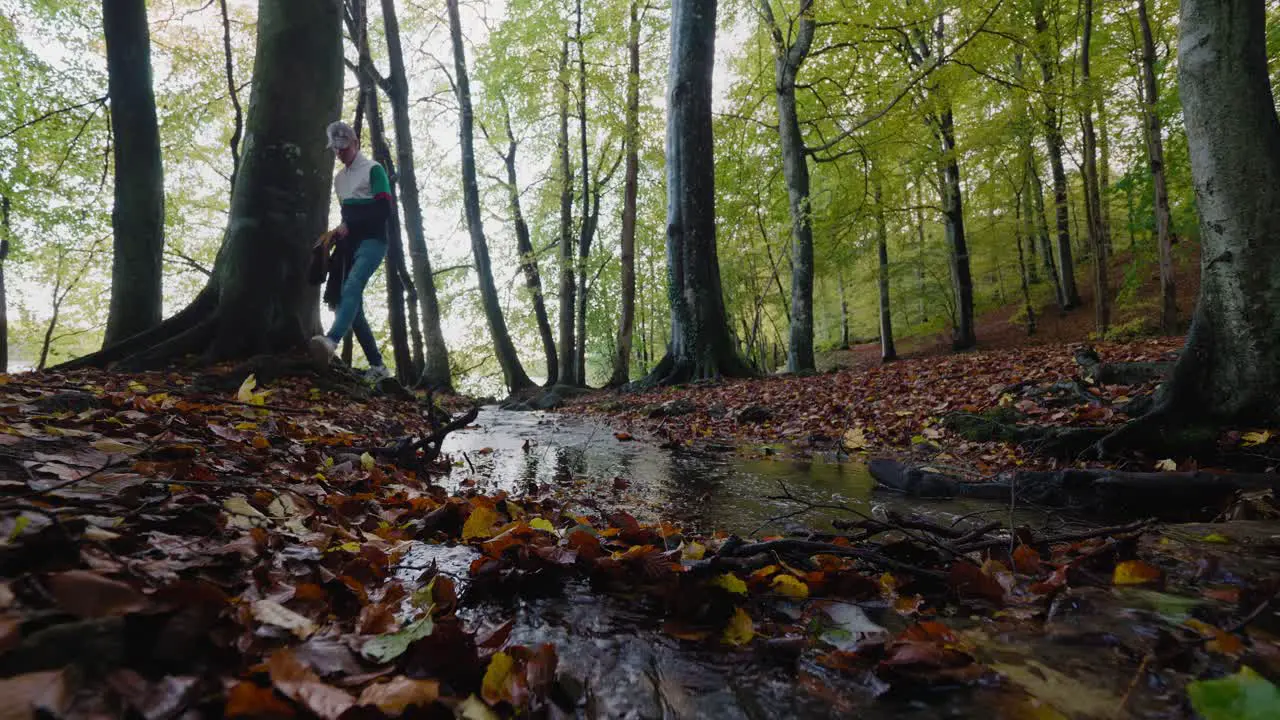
{"type": "Point", "coordinates": [328, 656]}
{"type": "Point", "coordinates": [398, 695]}
{"type": "Point", "coordinates": [249, 700]}
{"type": "Point", "coordinates": [154, 701]}
{"type": "Point", "coordinates": [970, 583]}
{"type": "Point", "coordinates": [10, 632]}
{"type": "Point", "coordinates": [492, 638]}
{"type": "Point", "coordinates": [24, 695]}
{"type": "Point", "coordinates": [296, 681]}
{"type": "Point", "coordinates": [377, 619]}
{"type": "Point", "coordinates": [90, 595]}
{"type": "Point", "coordinates": [1026, 560]}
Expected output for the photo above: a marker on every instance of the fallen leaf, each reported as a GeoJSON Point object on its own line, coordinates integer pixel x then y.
{"type": "Point", "coordinates": [847, 625]}
{"type": "Point", "coordinates": [1256, 438]}
{"type": "Point", "coordinates": [246, 699]}
{"type": "Point", "coordinates": [385, 648]}
{"type": "Point", "coordinates": [740, 629]}
{"type": "Point", "coordinates": [480, 523]}
{"type": "Point", "coordinates": [542, 524]}
{"type": "Point", "coordinates": [241, 514]}
{"type": "Point", "coordinates": [970, 583]}
{"type": "Point", "coordinates": [492, 688]}
{"type": "Point", "coordinates": [855, 439]}
{"type": "Point", "coordinates": [38, 694]}
{"type": "Point", "coordinates": [473, 708]}
{"type": "Point", "coordinates": [297, 682]}
{"type": "Point", "coordinates": [1066, 694]}
{"type": "Point", "coordinates": [1220, 641]}
{"type": "Point", "coordinates": [625, 437]}
{"type": "Point", "coordinates": [731, 582]}
{"type": "Point", "coordinates": [789, 586]}
{"type": "Point", "coordinates": [367, 461]}
{"type": "Point", "coordinates": [107, 445]}
{"type": "Point", "coordinates": [1167, 465]}
{"type": "Point", "coordinates": [90, 595]}
{"type": "Point", "coordinates": [271, 612]}
{"type": "Point", "coordinates": [1026, 560]}
{"type": "Point", "coordinates": [401, 693]}
{"type": "Point", "coordinates": [1135, 572]}
{"type": "Point", "coordinates": [693, 551]}
{"type": "Point", "coordinates": [1246, 695]}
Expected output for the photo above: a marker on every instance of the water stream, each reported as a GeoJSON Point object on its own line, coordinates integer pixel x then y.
{"type": "Point", "coordinates": [613, 649]}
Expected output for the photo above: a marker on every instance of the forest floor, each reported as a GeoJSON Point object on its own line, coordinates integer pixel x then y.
{"type": "Point", "coordinates": [260, 541]}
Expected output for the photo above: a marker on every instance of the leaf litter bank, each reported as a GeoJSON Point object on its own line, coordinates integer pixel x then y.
{"type": "Point", "coordinates": [181, 546]}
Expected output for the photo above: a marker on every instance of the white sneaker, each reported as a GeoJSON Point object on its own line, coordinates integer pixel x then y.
{"type": "Point", "coordinates": [321, 348]}
{"type": "Point", "coordinates": [376, 373]}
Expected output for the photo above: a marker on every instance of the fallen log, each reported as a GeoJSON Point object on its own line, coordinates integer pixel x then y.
{"type": "Point", "coordinates": [1163, 495]}
{"type": "Point", "coordinates": [1124, 373]}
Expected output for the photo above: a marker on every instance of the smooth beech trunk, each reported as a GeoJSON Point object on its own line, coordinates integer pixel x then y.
{"type": "Point", "coordinates": [512, 370]}
{"type": "Point", "coordinates": [1230, 367]}
{"type": "Point", "coordinates": [436, 374]}
{"type": "Point", "coordinates": [788, 55]}
{"type": "Point", "coordinates": [1053, 141]}
{"type": "Point", "coordinates": [137, 216]}
{"type": "Point", "coordinates": [701, 345]}
{"type": "Point", "coordinates": [1155, 153]}
{"type": "Point", "coordinates": [887, 351]}
{"type": "Point", "coordinates": [1092, 194]}
{"type": "Point", "coordinates": [630, 190]}
{"type": "Point", "coordinates": [568, 290]}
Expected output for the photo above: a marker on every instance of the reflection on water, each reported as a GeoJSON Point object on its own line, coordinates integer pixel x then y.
{"type": "Point", "coordinates": [518, 451]}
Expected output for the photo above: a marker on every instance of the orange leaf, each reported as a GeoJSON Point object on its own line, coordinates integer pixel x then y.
{"type": "Point", "coordinates": [1026, 560]}
{"type": "Point", "coordinates": [394, 697]}
{"type": "Point", "coordinates": [1135, 572]}
{"type": "Point", "coordinates": [246, 699]}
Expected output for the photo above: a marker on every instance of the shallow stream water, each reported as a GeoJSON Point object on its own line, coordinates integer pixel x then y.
{"type": "Point", "coordinates": [613, 650]}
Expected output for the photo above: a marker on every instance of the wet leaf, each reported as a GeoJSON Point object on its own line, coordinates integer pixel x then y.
{"type": "Point", "coordinates": [401, 693]}
{"type": "Point", "coordinates": [1167, 465]}
{"type": "Point", "coordinates": [90, 595]}
{"type": "Point", "coordinates": [693, 551]}
{"type": "Point", "coordinates": [246, 393]}
{"type": "Point", "coordinates": [242, 515]}
{"type": "Point", "coordinates": [1072, 697]}
{"type": "Point", "coordinates": [542, 524]}
{"type": "Point", "coordinates": [1221, 642]}
{"type": "Point", "coordinates": [1135, 572]}
{"type": "Point", "coordinates": [271, 612]}
{"type": "Point", "coordinates": [847, 625]}
{"type": "Point", "coordinates": [1255, 438]}
{"type": "Point", "coordinates": [1173, 608]}
{"type": "Point", "coordinates": [246, 699]}
{"type": "Point", "coordinates": [366, 461]}
{"type": "Point", "coordinates": [623, 436]}
{"type": "Point", "coordinates": [480, 523]}
{"type": "Point", "coordinates": [740, 629]}
{"type": "Point", "coordinates": [493, 687]}
{"type": "Point", "coordinates": [473, 708]}
{"type": "Point", "coordinates": [971, 583]}
{"type": "Point", "coordinates": [789, 586]}
{"type": "Point", "coordinates": [1026, 560]}
{"type": "Point", "coordinates": [25, 696]}
{"type": "Point", "coordinates": [297, 682]}
{"type": "Point", "coordinates": [107, 445]}
{"type": "Point", "coordinates": [855, 439]}
{"type": "Point", "coordinates": [731, 582]}
{"type": "Point", "coordinates": [1246, 695]}
{"type": "Point", "coordinates": [385, 648]}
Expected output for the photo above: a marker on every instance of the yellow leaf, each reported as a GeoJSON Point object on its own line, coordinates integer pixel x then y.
{"type": "Point", "coordinates": [1215, 538]}
{"type": "Point", "coordinates": [740, 629]}
{"type": "Point", "coordinates": [732, 583]}
{"type": "Point", "coordinates": [261, 443]}
{"type": "Point", "coordinates": [245, 393]}
{"type": "Point", "coordinates": [789, 586]}
{"type": "Point", "coordinates": [366, 461]}
{"type": "Point", "coordinates": [495, 678]}
{"type": "Point", "coordinates": [855, 439]}
{"type": "Point", "coordinates": [693, 551]}
{"type": "Point", "coordinates": [542, 524]}
{"type": "Point", "coordinates": [107, 445]}
{"type": "Point", "coordinates": [473, 708]}
{"type": "Point", "coordinates": [271, 612]}
{"type": "Point", "coordinates": [1167, 465]}
{"type": "Point", "coordinates": [1135, 572]}
{"type": "Point", "coordinates": [246, 426]}
{"type": "Point", "coordinates": [480, 523]}
{"type": "Point", "coordinates": [1256, 438]}
{"type": "Point", "coordinates": [137, 387]}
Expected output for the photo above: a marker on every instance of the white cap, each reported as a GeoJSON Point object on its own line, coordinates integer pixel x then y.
{"type": "Point", "coordinates": [341, 136]}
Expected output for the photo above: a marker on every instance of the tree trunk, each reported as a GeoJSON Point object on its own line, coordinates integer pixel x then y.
{"type": "Point", "coordinates": [1035, 206]}
{"type": "Point", "coordinates": [962, 337]}
{"type": "Point", "coordinates": [528, 260]}
{"type": "Point", "coordinates": [844, 311]}
{"type": "Point", "coordinates": [1022, 263]}
{"type": "Point", "coordinates": [587, 230]}
{"type": "Point", "coordinates": [631, 183]}
{"type": "Point", "coordinates": [1155, 148]}
{"type": "Point", "coordinates": [436, 374]}
{"type": "Point", "coordinates": [4, 300]}
{"type": "Point", "coordinates": [232, 92]}
{"type": "Point", "coordinates": [405, 368]}
{"type": "Point", "coordinates": [1053, 140]}
{"type": "Point", "coordinates": [1104, 175]}
{"type": "Point", "coordinates": [512, 370]}
{"type": "Point", "coordinates": [137, 217]}
{"type": "Point", "coordinates": [920, 259]}
{"type": "Point", "coordinates": [787, 59]}
{"type": "Point", "coordinates": [701, 346]}
{"type": "Point", "coordinates": [887, 351]}
{"type": "Point", "coordinates": [1230, 367]}
{"type": "Point", "coordinates": [1092, 196]}
{"type": "Point", "coordinates": [568, 352]}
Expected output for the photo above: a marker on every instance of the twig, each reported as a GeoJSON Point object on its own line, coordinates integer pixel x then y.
{"type": "Point", "coordinates": [1257, 612]}
{"type": "Point", "coordinates": [1073, 537]}
{"type": "Point", "coordinates": [809, 547]}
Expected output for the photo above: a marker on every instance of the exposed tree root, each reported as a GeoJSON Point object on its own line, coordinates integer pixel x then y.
{"type": "Point", "coordinates": [200, 311]}
{"type": "Point", "coordinates": [1125, 373]}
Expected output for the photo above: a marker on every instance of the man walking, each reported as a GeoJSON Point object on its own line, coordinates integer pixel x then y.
{"type": "Point", "coordinates": [364, 192]}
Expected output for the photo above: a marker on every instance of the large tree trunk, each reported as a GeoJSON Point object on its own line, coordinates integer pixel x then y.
{"type": "Point", "coordinates": [1035, 206]}
{"type": "Point", "coordinates": [1092, 195]}
{"type": "Point", "coordinates": [587, 230]}
{"type": "Point", "coordinates": [529, 260]}
{"type": "Point", "coordinates": [844, 310]}
{"type": "Point", "coordinates": [137, 218]}
{"type": "Point", "coordinates": [436, 374]}
{"type": "Point", "coordinates": [568, 352]}
{"type": "Point", "coordinates": [405, 368]}
{"type": "Point", "coordinates": [1155, 148]}
{"type": "Point", "coordinates": [787, 59]}
{"type": "Point", "coordinates": [701, 346]}
{"type": "Point", "coordinates": [1018, 227]}
{"type": "Point", "coordinates": [1230, 367]}
{"type": "Point", "coordinates": [259, 300]}
{"type": "Point", "coordinates": [512, 370]}
{"type": "Point", "coordinates": [1053, 140]}
{"type": "Point", "coordinates": [631, 183]}
{"type": "Point", "coordinates": [962, 336]}
{"type": "Point", "coordinates": [887, 351]}
{"type": "Point", "coordinates": [4, 304]}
